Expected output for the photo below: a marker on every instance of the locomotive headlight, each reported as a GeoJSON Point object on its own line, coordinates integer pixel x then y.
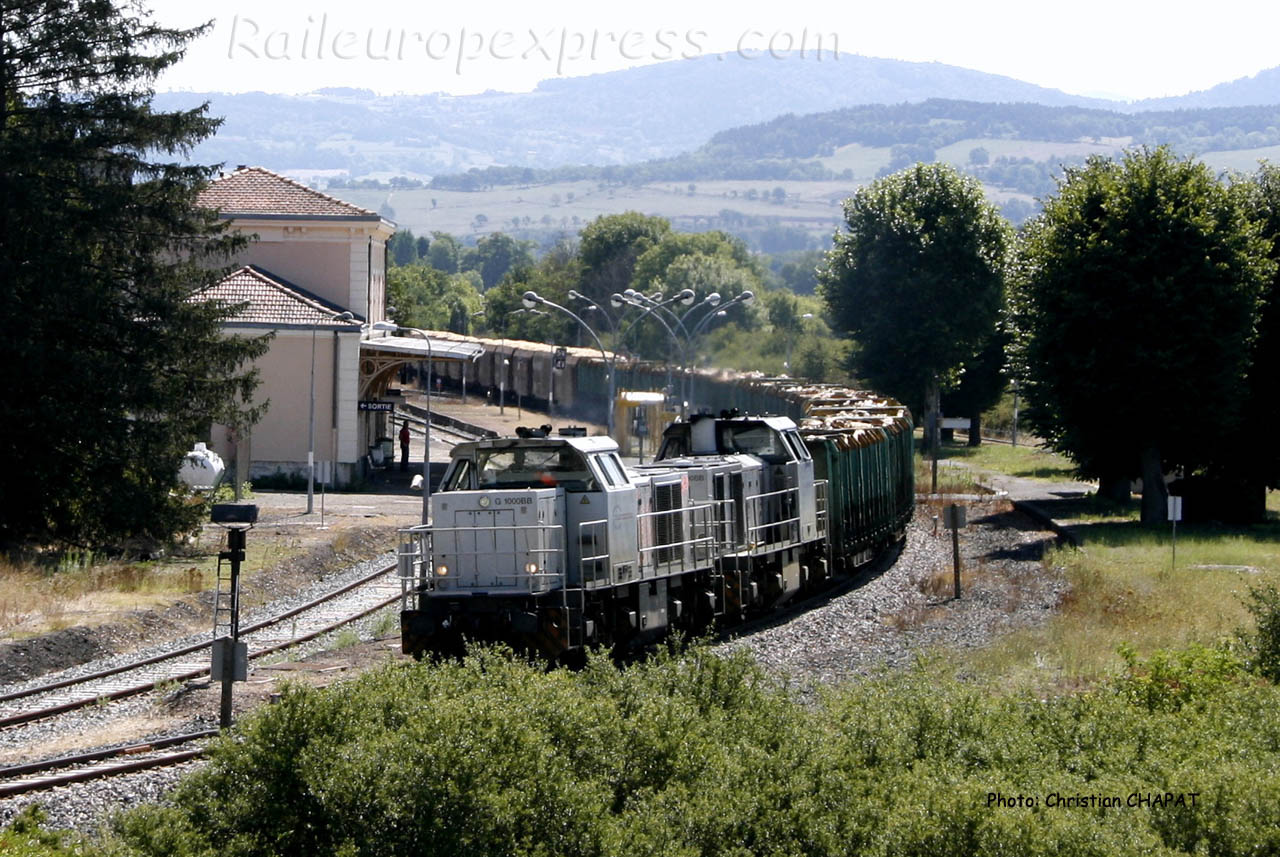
{"type": "Point", "coordinates": [442, 570]}
{"type": "Point", "coordinates": [531, 568]}
{"type": "Point", "coordinates": [484, 502]}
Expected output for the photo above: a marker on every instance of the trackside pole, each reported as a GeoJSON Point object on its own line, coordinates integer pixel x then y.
{"type": "Point", "coordinates": [955, 520]}
{"type": "Point", "coordinates": [1175, 515]}
{"type": "Point", "coordinates": [230, 659]}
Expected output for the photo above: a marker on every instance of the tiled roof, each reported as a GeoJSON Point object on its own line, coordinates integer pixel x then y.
{"type": "Point", "coordinates": [256, 191]}
{"type": "Point", "coordinates": [271, 301]}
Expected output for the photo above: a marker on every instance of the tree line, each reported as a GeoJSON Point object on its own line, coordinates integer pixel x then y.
{"type": "Point", "coordinates": [436, 282]}
{"type": "Point", "coordinates": [1137, 311]}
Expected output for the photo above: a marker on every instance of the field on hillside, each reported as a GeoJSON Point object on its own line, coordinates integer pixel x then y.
{"type": "Point", "coordinates": [812, 206]}
{"type": "Point", "coordinates": [1037, 150]}
{"type": "Point", "coordinates": [541, 210]}
{"type": "Point", "coordinates": [1245, 160]}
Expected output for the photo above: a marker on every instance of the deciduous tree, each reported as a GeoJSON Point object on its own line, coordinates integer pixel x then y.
{"type": "Point", "coordinates": [1136, 302]}
{"type": "Point", "coordinates": [917, 278]}
{"type": "Point", "coordinates": [609, 248]}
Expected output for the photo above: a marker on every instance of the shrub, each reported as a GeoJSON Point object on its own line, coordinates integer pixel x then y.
{"type": "Point", "coordinates": [705, 755]}
{"type": "Point", "coordinates": [26, 837]}
{"type": "Point", "coordinates": [1168, 680]}
{"type": "Point", "coordinates": [1263, 643]}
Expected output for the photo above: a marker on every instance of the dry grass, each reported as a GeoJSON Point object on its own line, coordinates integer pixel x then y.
{"type": "Point", "coordinates": [1124, 590]}
{"type": "Point", "coordinates": [952, 478]}
{"type": "Point", "coordinates": [36, 599]}
{"type": "Point", "coordinates": [941, 583]}
{"type": "Point", "coordinates": [65, 743]}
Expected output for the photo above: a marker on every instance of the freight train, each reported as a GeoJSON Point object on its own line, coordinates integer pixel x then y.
{"type": "Point", "coordinates": [552, 545]}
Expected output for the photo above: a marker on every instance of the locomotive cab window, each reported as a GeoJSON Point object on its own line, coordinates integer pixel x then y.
{"type": "Point", "coordinates": [673, 446]}
{"type": "Point", "coordinates": [797, 445]}
{"type": "Point", "coordinates": [534, 467]}
{"type": "Point", "coordinates": [755, 439]}
{"type": "Point", "coordinates": [612, 469]}
{"type": "Point", "coordinates": [461, 477]}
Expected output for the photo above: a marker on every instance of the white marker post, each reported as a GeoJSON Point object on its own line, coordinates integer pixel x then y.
{"type": "Point", "coordinates": [1175, 515]}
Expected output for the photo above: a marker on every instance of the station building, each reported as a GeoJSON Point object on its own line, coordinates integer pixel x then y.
{"type": "Point", "coordinates": [326, 379]}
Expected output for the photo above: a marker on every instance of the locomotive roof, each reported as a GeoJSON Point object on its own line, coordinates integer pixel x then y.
{"type": "Point", "coordinates": [773, 422]}
{"type": "Point", "coordinates": [584, 445]}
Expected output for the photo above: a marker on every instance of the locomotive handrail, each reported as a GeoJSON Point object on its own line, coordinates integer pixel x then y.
{"type": "Point", "coordinates": [820, 506]}
{"type": "Point", "coordinates": [418, 566]}
{"type": "Point", "coordinates": [706, 542]}
{"type": "Point", "coordinates": [792, 524]}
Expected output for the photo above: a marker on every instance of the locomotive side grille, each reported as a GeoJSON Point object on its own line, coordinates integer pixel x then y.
{"type": "Point", "coordinates": [669, 523]}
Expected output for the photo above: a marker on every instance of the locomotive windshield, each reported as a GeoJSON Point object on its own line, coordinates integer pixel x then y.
{"type": "Point", "coordinates": [522, 467]}
{"type": "Point", "coordinates": [755, 439]}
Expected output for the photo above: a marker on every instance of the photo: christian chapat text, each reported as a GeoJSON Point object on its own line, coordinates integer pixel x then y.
{"type": "Point", "coordinates": [1058, 800]}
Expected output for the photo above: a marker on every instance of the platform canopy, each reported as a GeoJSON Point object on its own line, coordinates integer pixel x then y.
{"type": "Point", "coordinates": [382, 356]}
{"type": "Point", "coordinates": [417, 348]}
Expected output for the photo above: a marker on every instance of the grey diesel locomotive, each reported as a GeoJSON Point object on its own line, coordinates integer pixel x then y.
{"type": "Point", "coordinates": [552, 545]}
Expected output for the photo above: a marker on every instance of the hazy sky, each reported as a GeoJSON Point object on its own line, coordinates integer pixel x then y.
{"type": "Point", "coordinates": [1116, 48]}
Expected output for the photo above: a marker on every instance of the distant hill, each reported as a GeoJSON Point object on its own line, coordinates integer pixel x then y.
{"type": "Point", "coordinates": [809, 147]}
{"type": "Point", "coordinates": [1261, 88]}
{"type": "Point", "coordinates": [620, 117]}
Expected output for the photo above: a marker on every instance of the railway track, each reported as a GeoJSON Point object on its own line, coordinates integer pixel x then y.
{"type": "Point", "coordinates": [322, 615]}
{"type": "Point", "coordinates": [49, 773]}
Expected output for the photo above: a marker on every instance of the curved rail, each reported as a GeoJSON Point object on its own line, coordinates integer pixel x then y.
{"type": "Point", "coordinates": [187, 671]}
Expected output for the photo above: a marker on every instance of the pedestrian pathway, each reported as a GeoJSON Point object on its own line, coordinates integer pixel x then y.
{"type": "Point", "coordinates": [1057, 505]}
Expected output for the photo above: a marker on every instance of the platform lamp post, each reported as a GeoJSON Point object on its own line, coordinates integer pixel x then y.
{"type": "Point", "coordinates": [592, 306]}
{"type": "Point", "coordinates": [392, 327]}
{"type": "Point", "coordinates": [532, 299]}
{"type": "Point", "coordinates": [651, 306]}
{"type": "Point", "coordinates": [473, 359]}
{"type": "Point", "coordinates": [311, 421]}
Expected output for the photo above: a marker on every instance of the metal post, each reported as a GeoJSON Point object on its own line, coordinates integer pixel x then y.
{"type": "Point", "coordinates": [235, 555]}
{"type": "Point", "coordinates": [311, 430]}
{"type": "Point", "coordinates": [426, 445]}
{"type": "Point", "coordinates": [955, 516]}
{"type": "Point", "coordinates": [935, 432]}
{"type": "Point", "coordinates": [955, 557]}
{"type": "Point", "coordinates": [1015, 413]}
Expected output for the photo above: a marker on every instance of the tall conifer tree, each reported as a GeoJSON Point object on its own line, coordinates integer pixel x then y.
{"type": "Point", "coordinates": [111, 372]}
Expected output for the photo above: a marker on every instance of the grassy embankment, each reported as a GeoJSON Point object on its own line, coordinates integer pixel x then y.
{"type": "Point", "coordinates": [1125, 589]}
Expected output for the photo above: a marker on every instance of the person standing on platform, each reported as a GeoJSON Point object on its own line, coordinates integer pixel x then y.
{"type": "Point", "coordinates": [404, 446]}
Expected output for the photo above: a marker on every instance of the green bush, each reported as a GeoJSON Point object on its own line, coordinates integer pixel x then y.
{"type": "Point", "coordinates": [705, 755]}
{"type": "Point", "coordinates": [1168, 680]}
{"type": "Point", "coordinates": [25, 836]}
{"type": "Point", "coordinates": [1263, 643]}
